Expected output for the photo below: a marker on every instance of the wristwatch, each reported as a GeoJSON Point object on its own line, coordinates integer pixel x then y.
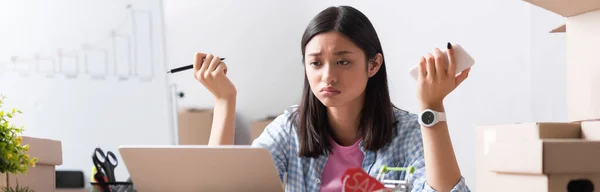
{"type": "Point", "coordinates": [429, 117]}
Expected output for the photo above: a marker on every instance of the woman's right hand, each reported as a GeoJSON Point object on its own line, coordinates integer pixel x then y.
{"type": "Point", "coordinates": [211, 72]}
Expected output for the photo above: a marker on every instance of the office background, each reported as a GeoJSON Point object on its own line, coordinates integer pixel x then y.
{"type": "Point", "coordinates": [121, 95]}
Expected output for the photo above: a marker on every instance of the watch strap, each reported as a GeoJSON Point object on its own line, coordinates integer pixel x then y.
{"type": "Point", "coordinates": [441, 116]}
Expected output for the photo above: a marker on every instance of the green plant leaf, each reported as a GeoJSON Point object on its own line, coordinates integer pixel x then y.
{"type": "Point", "coordinates": [14, 157]}
{"type": "Point", "coordinates": [17, 188]}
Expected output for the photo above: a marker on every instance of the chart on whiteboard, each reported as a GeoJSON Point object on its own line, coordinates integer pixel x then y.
{"type": "Point", "coordinates": [87, 73]}
{"type": "Point", "coordinates": [123, 51]}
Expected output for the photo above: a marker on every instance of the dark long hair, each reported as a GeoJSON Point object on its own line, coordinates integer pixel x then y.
{"type": "Point", "coordinates": [377, 122]}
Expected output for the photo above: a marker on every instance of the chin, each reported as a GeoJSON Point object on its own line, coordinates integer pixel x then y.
{"type": "Point", "coordinates": [330, 102]}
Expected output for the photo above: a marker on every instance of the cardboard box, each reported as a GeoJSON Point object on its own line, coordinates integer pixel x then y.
{"type": "Point", "coordinates": [259, 126]}
{"type": "Point", "coordinates": [525, 145]}
{"type": "Point", "coordinates": [40, 178]}
{"type": "Point", "coordinates": [583, 68]}
{"type": "Point", "coordinates": [483, 177]}
{"type": "Point", "coordinates": [526, 132]}
{"type": "Point", "coordinates": [532, 131]}
{"type": "Point", "coordinates": [590, 130]}
{"type": "Point", "coordinates": [556, 156]}
{"type": "Point", "coordinates": [541, 148]}
{"type": "Point", "coordinates": [541, 183]}
{"type": "Point", "coordinates": [194, 126]}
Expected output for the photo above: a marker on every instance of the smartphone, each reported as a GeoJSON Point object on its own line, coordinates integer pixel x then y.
{"type": "Point", "coordinates": [461, 57]}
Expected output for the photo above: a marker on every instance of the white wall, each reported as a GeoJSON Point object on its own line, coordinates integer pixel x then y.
{"type": "Point", "coordinates": [548, 67]}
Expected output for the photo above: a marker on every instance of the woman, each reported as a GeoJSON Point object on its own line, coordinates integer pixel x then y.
{"type": "Point", "coordinates": [345, 118]}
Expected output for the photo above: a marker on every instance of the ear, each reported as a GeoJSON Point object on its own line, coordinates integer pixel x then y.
{"type": "Point", "coordinates": [374, 64]}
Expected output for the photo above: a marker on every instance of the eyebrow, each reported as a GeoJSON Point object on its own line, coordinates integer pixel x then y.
{"type": "Point", "coordinates": [336, 53]}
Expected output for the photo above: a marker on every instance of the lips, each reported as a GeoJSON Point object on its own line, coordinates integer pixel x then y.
{"type": "Point", "coordinates": [329, 91]}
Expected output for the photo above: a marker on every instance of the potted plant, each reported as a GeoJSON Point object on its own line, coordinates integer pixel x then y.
{"type": "Point", "coordinates": [13, 155]}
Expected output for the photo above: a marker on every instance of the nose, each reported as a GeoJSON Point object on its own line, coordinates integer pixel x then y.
{"type": "Point", "coordinates": [329, 75]}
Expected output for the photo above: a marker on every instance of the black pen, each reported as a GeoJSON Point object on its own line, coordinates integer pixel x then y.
{"type": "Point", "coordinates": [178, 69]}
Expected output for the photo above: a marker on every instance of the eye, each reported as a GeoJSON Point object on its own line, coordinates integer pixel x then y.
{"type": "Point", "coordinates": [315, 63]}
{"type": "Point", "coordinates": [342, 62]}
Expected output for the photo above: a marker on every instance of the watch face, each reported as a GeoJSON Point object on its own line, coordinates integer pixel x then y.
{"type": "Point", "coordinates": [427, 117]}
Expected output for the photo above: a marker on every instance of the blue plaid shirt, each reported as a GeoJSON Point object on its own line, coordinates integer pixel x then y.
{"type": "Point", "coordinates": [303, 174]}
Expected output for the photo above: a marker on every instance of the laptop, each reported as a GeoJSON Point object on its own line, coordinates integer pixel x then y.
{"type": "Point", "coordinates": [200, 168]}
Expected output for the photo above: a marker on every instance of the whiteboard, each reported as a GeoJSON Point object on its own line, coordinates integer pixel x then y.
{"type": "Point", "coordinates": [90, 73]}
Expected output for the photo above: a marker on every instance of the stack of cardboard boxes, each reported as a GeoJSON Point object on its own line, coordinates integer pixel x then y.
{"type": "Point", "coordinates": [40, 178]}
{"type": "Point", "coordinates": [538, 157]}
{"type": "Point", "coordinates": [194, 126]}
{"type": "Point", "coordinates": [553, 156]}
{"type": "Point", "coordinates": [258, 126]}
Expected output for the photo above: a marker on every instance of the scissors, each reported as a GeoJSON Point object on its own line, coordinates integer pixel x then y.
{"type": "Point", "coordinates": [107, 162]}
{"type": "Point", "coordinates": [100, 178]}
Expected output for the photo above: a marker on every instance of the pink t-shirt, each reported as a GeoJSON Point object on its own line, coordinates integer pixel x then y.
{"type": "Point", "coordinates": [341, 159]}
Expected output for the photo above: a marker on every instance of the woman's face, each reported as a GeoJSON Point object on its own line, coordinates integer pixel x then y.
{"type": "Point", "coordinates": [336, 69]}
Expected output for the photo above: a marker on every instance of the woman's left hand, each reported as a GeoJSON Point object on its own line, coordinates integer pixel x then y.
{"type": "Point", "coordinates": [435, 82]}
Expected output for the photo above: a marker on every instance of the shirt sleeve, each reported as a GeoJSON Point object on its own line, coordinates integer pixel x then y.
{"type": "Point", "coordinates": [275, 139]}
{"type": "Point", "coordinates": [416, 159]}
{"type": "Point", "coordinates": [420, 182]}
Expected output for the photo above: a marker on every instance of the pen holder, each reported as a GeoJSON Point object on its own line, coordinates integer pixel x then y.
{"type": "Point", "coordinates": [112, 187]}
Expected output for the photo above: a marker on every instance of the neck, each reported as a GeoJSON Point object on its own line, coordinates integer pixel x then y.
{"type": "Point", "coordinates": [344, 121]}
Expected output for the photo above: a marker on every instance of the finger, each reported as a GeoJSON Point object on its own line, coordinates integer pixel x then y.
{"type": "Point", "coordinates": [198, 60]}
{"type": "Point", "coordinates": [462, 76]}
{"type": "Point", "coordinates": [439, 63]}
{"type": "Point", "coordinates": [430, 65]}
{"type": "Point", "coordinates": [422, 66]}
{"type": "Point", "coordinates": [198, 76]}
{"type": "Point", "coordinates": [451, 60]}
{"type": "Point", "coordinates": [197, 65]}
{"type": "Point", "coordinates": [221, 69]}
{"type": "Point", "coordinates": [206, 64]}
{"type": "Point", "coordinates": [213, 64]}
